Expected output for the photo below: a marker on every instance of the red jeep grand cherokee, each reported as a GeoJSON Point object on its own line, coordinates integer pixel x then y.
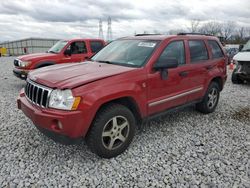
{"type": "Point", "coordinates": [64, 51]}
{"type": "Point", "coordinates": [127, 82]}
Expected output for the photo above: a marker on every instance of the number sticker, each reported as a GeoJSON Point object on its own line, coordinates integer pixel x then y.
{"type": "Point", "coordinates": [147, 44]}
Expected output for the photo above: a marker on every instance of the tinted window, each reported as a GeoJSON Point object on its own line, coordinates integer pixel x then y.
{"type": "Point", "coordinates": [175, 50]}
{"type": "Point", "coordinates": [78, 47]}
{"type": "Point", "coordinates": [198, 50]}
{"type": "Point", "coordinates": [216, 50]}
{"type": "Point", "coordinates": [95, 46]}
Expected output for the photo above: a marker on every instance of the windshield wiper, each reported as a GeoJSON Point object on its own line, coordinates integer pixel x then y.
{"type": "Point", "coordinates": [108, 62]}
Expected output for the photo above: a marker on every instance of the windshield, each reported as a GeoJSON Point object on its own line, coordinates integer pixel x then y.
{"type": "Point", "coordinates": [126, 52]}
{"type": "Point", "coordinates": [246, 47]}
{"type": "Point", "coordinates": [58, 47]}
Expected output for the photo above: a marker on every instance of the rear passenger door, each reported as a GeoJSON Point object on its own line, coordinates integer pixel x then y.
{"type": "Point", "coordinates": [199, 64]}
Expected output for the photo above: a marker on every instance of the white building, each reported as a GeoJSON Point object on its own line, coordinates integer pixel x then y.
{"type": "Point", "coordinates": [28, 46]}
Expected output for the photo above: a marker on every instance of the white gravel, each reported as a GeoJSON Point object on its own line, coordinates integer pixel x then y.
{"type": "Point", "coordinates": [184, 149]}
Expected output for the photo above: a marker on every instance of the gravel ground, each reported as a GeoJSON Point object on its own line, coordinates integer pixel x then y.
{"type": "Point", "coordinates": [184, 149]}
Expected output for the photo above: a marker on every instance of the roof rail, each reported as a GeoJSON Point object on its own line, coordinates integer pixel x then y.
{"type": "Point", "coordinates": [195, 34]}
{"type": "Point", "coordinates": [144, 34]}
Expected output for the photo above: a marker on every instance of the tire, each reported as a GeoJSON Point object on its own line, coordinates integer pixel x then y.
{"type": "Point", "coordinates": [112, 131]}
{"type": "Point", "coordinates": [210, 100]}
{"type": "Point", "coordinates": [235, 78]}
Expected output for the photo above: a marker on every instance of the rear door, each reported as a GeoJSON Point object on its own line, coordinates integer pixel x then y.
{"type": "Point", "coordinates": [199, 65]}
{"type": "Point", "coordinates": [170, 92]}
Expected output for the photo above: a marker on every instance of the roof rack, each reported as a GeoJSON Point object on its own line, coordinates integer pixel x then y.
{"type": "Point", "coordinates": [144, 34]}
{"type": "Point", "coordinates": [195, 34]}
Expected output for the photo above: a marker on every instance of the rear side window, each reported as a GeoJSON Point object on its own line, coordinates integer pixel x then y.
{"type": "Point", "coordinates": [95, 46]}
{"type": "Point", "coordinates": [198, 50]}
{"type": "Point", "coordinates": [216, 50]}
{"type": "Point", "coordinates": [175, 50]}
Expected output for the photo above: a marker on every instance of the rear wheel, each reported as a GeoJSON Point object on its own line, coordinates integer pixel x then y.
{"type": "Point", "coordinates": [112, 131]}
{"type": "Point", "coordinates": [235, 78]}
{"type": "Point", "coordinates": [210, 100]}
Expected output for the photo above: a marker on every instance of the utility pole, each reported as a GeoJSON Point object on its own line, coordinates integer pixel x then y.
{"type": "Point", "coordinates": [109, 32]}
{"type": "Point", "coordinates": [100, 29]}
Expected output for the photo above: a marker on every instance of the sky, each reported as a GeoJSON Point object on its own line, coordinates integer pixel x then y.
{"type": "Point", "coordinates": [80, 18]}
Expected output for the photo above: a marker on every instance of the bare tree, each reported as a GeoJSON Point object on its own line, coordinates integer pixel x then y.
{"type": "Point", "coordinates": [212, 28]}
{"type": "Point", "coordinates": [228, 29]}
{"type": "Point", "coordinates": [194, 26]}
{"type": "Point", "coordinates": [176, 31]}
{"type": "Point", "coordinates": [241, 32]}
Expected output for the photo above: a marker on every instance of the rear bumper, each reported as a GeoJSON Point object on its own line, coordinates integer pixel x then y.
{"type": "Point", "coordinates": [62, 126]}
{"type": "Point", "coordinates": [22, 74]}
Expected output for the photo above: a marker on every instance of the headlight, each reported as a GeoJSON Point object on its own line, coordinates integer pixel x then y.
{"type": "Point", "coordinates": [23, 63]}
{"type": "Point", "coordinates": [63, 99]}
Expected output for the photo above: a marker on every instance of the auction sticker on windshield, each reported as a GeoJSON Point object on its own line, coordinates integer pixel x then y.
{"type": "Point", "coordinates": [147, 44]}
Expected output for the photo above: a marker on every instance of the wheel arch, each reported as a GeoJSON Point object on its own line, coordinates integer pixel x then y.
{"type": "Point", "coordinates": [219, 81]}
{"type": "Point", "coordinates": [128, 102]}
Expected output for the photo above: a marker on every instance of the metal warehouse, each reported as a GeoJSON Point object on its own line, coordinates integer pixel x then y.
{"type": "Point", "coordinates": [27, 46]}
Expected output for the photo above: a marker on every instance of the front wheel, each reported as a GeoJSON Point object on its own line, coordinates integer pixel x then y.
{"type": "Point", "coordinates": [112, 131]}
{"type": "Point", "coordinates": [210, 100]}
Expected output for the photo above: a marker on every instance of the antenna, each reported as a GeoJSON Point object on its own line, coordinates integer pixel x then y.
{"type": "Point", "coordinates": [100, 29]}
{"type": "Point", "coordinates": [109, 32]}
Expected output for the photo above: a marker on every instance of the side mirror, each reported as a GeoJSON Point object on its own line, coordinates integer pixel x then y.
{"type": "Point", "coordinates": [67, 52]}
{"type": "Point", "coordinates": [165, 63]}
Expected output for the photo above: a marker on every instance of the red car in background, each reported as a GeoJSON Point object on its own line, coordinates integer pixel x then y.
{"type": "Point", "coordinates": [64, 51]}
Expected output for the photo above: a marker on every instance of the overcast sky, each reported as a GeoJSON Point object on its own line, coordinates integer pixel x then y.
{"type": "Point", "coordinates": [79, 18]}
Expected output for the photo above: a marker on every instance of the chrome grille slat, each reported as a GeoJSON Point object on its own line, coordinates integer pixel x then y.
{"type": "Point", "coordinates": [37, 94]}
{"type": "Point", "coordinates": [41, 103]}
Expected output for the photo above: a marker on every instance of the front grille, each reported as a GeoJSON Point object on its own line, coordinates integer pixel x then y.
{"type": "Point", "coordinates": [16, 62]}
{"type": "Point", "coordinates": [37, 94]}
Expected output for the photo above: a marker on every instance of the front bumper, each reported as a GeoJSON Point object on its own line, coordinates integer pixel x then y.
{"type": "Point", "coordinates": [62, 126]}
{"type": "Point", "coordinates": [20, 73]}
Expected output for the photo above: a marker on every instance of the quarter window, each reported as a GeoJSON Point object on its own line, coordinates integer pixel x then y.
{"type": "Point", "coordinates": [198, 51]}
{"type": "Point", "coordinates": [216, 50]}
{"type": "Point", "coordinates": [175, 50]}
{"type": "Point", "coordinates": [95, 46]}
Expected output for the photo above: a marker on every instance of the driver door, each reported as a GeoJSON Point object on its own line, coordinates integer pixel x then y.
{"type": "Point", "coordinates": [78, 51]}
{"type": "Point", "coordinates": [172, 91]}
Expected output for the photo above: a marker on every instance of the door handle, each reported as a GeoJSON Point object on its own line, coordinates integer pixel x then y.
{"type": "Point", "coordinates": [183, 74]}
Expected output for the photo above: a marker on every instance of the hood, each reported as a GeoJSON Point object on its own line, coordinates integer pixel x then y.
{"type": "Point", "coordinates": [36, 56]}
{"type": "Point", "coordinates": [72, 75]}
{"type": "Point", "coordinates": [242, 56]}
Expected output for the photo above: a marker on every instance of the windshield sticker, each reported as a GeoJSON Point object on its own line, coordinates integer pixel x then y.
{"type": "Point", "coordinates": [147, 44]}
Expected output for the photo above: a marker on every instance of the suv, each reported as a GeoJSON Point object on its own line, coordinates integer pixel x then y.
{"type": "Point", "coordinates": [64, 51]}
{"type": "Point", "coordinates": [242, 71]}
{"type": "Point", "coordinates": [129, 81]}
